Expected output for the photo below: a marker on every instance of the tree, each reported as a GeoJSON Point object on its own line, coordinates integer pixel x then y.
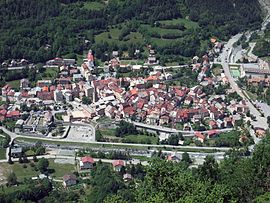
{"type": "Point", "coordinates": [173, 140]}
{"type": "Point", "coordinates": [186, 158]}
{"type": "Point", "coordinates": [25, 160]}
{"type": "Point", "coordinates": [11, 179]}
{"type": "Point", "coordinates": [99, 136]}
{"type": "Point", "coordinates": [10, 160]}
{"type": "Point", "coordinates": [86, 100]}
{"type": "Point", "coordinates": [35, 158]}
{"type": "Point", "coordinates": [209, 171]}
{"type": "Point", "coordinates": [43, 165]}
{"type": "Point", "coordinates": [20, 159]}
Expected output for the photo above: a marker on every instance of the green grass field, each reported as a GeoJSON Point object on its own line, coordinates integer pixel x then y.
{"type": "Point", "coordinates": [107, 132]}
{"type": "Point", "coordinates": [2, 153]}
{"type": "Point", "coordinates": [18, 169]}
{"type": "Point", "coordinates": [187, 23]}
{"type": "Point", "coordinates": [50, 73]}
{"type": "Point", "coordinates": [14, 83]}
{"type": "Point", "coordinates": [59, 170]}
{"type": "Point", "coordinates": [113, 37]}
{"type": "Point", "coordinates": [144, 139]}
{"type": "Point", "coordinates": [217, 69]}
{"type": "Point", "coordinates": [252, 96]}
{"type": "Point", "coordinates": [94, 5]}
{"type": "Point", "coordinates": [161, 31]}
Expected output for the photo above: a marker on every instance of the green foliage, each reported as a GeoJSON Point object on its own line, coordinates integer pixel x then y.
{"type": "Point", "coordinates": [59, 28]}
{"type": "Point", "coordinates": [227, 139]}
{"type": "Point", "coordinates": [11, 179]}
{"type": "Point", "coordinates": [186, 158]}
{"type": "Point", "coordinates": [173, 139]}
{"type": "Point", "coordinates": [43, 165]}
{"type": "Point", "coordinates": [86, 100]}
{"type": "Point", "coordinates": [105, 182]}
{"type": "Point", "coordinates": [125, 128]}
{"type": "Point", "coordinates": [30, 191]}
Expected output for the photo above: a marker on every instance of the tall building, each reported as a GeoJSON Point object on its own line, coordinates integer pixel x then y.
{"type": "Point", "coordinates": [58, 96]}
{"type": "Point", "coordinates": [90, 59]}
{"type": "Point", "coordinates": [24, 83]}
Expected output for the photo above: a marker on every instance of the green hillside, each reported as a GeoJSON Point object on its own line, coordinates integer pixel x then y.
{"type": "Point", "coordinates": [176, 28]}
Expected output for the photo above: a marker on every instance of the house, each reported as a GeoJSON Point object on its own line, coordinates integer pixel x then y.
{"type": "Point", "coordinates": [212, 133]}
{"type": "Point", "coordinates": [45, 95]}
{"type": "Point", "coordinates": [118, 165]}
{"type": "Point", "coordinates": [13, 114]}
{"type": "Point", "coordinates": [86, 162]}
{"type": "Point", "coordinates": [127, 177]}
{"type": "Point", "coordinates": [213, 124]}
{"type": "Point", "coordinates": [200, 136]}
{"type": "Point", "coordinates": [24, 83]}
{"type": "Point", "coordinates": [260, 132]}
{"type": "Point", "coordinates": [164, 120]}
{"type": "Point", "coordinates": [174, 157]}
{"type": "Point", "coordinates": [6, 89]}
{"type": "Point", "coordinates": [228, 121]}
{"type": "Point", "coordinates": [16, 152]}
{"type": "Point", "coordinates": [69, 180]}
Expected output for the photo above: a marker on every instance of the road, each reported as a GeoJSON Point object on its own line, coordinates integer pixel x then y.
{"type": "Point", "coordinates": [172, 130]}
{"type": "Point", "coordinates": [227, 57]}
{"type": "Point", "coordinates": [51, 156]}
{"type": "Point", "coordinates": [14, 136]}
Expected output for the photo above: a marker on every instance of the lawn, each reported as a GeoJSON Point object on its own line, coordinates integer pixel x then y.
{"type": "Point", "coordinates": [113, 37]}
{"type": "Point", "coordinates": [252, 96]}
{"type": "Point", "coordinates": [217, 69]}
{"type": "Point", "coordinates": [50, 73]}
{"type": "Point", "coordinates": [161, 31]}
{"type": "Point", "coordinates": [2, 153]}
{"type": "Point", "coordinates": [18, 169]}
{"type": "Point", "coordinates": [59, 169]}
{"type": "Point", "coordinates": [107, 132]}
{"type": "Point", "coordinates": [187, 23]}
{"type": "Point", "coordinates": [140, 139]}
{"type": "Point", "coordinates": [14, 84]}
{"type": "Point", "coordinates": [94, 5]}
{"type": "Point", "coordinates": [58, 116]}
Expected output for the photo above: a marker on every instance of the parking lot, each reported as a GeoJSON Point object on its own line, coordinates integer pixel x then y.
{"type": "Point", "coordinates": [81, 133]}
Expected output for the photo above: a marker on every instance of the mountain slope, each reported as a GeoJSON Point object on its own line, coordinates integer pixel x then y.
{"type": "Point", "coordinates": [40, 31]}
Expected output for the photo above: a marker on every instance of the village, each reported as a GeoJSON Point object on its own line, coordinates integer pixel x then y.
{"type": "Point", "coordinates": [150, 94]}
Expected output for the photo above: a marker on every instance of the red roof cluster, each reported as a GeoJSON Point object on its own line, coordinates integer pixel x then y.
{"type": "Point", "coordinates": [118, 163]}
{"type": "Point", "coordinates": [87, 159]}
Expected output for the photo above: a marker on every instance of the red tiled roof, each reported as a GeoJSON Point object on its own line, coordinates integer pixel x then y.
{"type": "Point", "coordinates": [118, 163]}
{"type": "Point", "coordinates": [212, 133]}
{"type": "Point", "coordinates": [140, 104]}
{"type": "Point", "coordinates": [24, 94]}
{"type": "Point", "coordinates": [129, 110]}
{"type": "Point", "coordinates": [212, 123]}
{"type": "Point", "coordinates": [87, 159]}
{"type": "Point", "coordinates": [3, 112]}
{"type": "Point", "coordinates": [13, 114]}
{"type": "Point", "coordinates": [199, 135]}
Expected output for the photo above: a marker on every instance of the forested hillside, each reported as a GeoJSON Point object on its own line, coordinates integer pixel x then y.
{"type": "Point", "coordinates": [236, 179]}
{"type": "Point", "coordinates": [39, 30]}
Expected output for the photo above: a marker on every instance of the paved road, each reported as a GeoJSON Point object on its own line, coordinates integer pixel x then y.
{"type": "Point", "coordinates": [172, 130]}
{"type": "Point", "coordinates": [14, 136]}
{"type": "Point", "coordinates": [261, 121]}
{"type": "Point", "coordinates": [133, 161]}
{"type": "Point", "coordinates": [228, 57]}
